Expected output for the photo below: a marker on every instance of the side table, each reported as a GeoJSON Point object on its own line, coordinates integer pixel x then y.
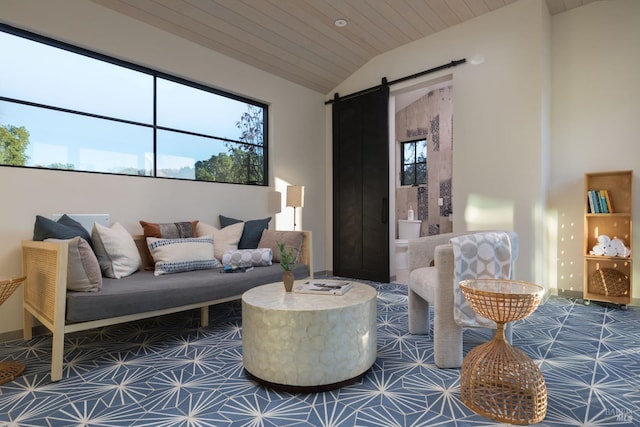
{"type": "Point", "coordinates": [9, 370]}
{"type": "Point", "coordinates": [497, 380]}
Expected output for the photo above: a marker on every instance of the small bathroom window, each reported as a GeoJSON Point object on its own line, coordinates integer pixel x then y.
{"type": "Point", "coordinates": [414, 162]}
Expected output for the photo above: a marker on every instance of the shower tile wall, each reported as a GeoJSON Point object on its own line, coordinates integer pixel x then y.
{"type": "Point", "coordinates": [430, 116]}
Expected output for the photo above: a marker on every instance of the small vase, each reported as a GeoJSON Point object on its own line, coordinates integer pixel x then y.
{"type": "Point", "coordinates": [288, 279]}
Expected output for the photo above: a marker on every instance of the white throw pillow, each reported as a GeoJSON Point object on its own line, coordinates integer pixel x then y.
{"type": "Point", "coordinates": [83, 269]}
{"type": "Point", "coordinates": [224, 239]}
{"type": "Point", "coordinates": [178, 255]}
{"type": "Point", "coordinates": [116, 251]}
{"type": "Point", "coordinates": [260, 257]}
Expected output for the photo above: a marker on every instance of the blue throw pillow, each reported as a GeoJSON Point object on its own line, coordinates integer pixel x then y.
{"type": "Point", "coordinates": [65, 228]}
{"type": "Point", "coordinates": [252, 230]}
{"type": "Point", "coordinates": [75, 225]}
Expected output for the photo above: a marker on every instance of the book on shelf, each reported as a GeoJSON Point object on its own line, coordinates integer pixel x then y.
{"type": "Point", "coordinates": [596, 201]}
{"type": "Point", "coordinates": [592, 208]}
{"type": "Point", "coordinates": [603, 202]}
{"type": "Point", "coordinates": [323, 287]}
{"type": "Point", "coordinates": [599, 201]}
{"type": "Point", "coordinates": [608, 199]}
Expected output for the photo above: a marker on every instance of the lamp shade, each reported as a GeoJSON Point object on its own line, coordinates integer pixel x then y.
{"type": "Point", "coordinates": [295, 196]}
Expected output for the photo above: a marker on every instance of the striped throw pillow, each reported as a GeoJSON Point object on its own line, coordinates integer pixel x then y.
{"type": "Point", "coordinates": [178, 255]}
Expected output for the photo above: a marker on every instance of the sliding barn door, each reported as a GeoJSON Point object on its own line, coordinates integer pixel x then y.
{"type": "Point", "coordinates": [361, 186]}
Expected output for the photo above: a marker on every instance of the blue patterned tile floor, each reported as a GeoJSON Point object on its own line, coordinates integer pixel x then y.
{"type": "Point", "coordinates": [168, 372]}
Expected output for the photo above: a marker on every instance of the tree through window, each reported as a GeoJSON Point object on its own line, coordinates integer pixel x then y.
{"type": "Point", "coordinates": [64, 107]}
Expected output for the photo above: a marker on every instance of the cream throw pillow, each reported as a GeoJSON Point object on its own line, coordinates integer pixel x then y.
{"type": "Point", "coordinates": [178, 255]}
{"type": "Point", "coordinates": [224, 239]}
{"type": "Point", "coordinates": [116, 251]}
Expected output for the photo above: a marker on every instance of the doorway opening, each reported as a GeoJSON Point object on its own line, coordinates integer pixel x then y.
{"type": "Point", "coordinates": [421, 171]}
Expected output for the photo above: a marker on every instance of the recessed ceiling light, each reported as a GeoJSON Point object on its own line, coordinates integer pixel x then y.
{"type": "Point", "coordinates": [340, 22]}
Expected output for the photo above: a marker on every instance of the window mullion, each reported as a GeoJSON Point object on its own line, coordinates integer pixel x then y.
{"type": "Point", "coordinates": [155, 126]}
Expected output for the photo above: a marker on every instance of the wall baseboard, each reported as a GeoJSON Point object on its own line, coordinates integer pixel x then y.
{"type": "Point", "coordinates": [18, 335]}
{"type": "Point", "coordinates": [578, 295]}
{"type": "Point", "coordinates": [324, 273]}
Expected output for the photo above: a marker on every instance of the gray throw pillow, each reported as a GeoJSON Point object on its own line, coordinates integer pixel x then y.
{"type": "Point", "coordinates": [83, 269]}
{"type": "Point", "coordinates": [65, 228]}
{"type": "Point", "coordinates": [75, 225]}
{"type": "Point", "coordinates": [290, 239]}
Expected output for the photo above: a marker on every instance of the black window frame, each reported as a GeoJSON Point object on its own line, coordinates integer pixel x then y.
{"type": "Point", "coordinates": [155, 74]}
{"type": "Point", "coordinates": [414, 163]}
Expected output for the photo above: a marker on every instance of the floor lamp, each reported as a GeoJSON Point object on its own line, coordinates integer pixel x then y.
{"type": "Point", "coordinates": [295, 199]}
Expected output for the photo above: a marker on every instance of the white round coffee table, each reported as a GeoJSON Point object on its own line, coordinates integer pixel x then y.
{"type": "Point", "coordinates": [305, 342]}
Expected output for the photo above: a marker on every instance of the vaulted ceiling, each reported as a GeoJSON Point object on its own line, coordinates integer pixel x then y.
{"type": "Point", "coordinates": [301, 40]}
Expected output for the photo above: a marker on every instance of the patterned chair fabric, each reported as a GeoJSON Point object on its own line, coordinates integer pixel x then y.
{"type": "Point", "coordinates": [431, 278]}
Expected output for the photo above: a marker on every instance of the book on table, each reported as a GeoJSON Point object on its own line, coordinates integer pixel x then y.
{"type": "Point", "coordinates": [236, 268]}
{"type": "Point", "coordinates": [323, 287]}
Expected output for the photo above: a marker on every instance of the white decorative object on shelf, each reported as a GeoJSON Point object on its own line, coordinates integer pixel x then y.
{"type": "Point", "coordinates": [610, 247]}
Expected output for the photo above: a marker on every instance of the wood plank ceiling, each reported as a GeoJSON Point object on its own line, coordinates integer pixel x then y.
{"type": "Point", "coordinates": [298, 40]}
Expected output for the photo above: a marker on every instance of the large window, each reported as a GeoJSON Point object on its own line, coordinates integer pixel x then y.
{"type": "Point", "coordinates": [414, 162]}
{"type": "Point", "coordinates": [62, 107]}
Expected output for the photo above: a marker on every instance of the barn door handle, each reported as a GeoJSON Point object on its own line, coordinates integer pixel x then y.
{"type": "Point", "coordinates": [385, 210]}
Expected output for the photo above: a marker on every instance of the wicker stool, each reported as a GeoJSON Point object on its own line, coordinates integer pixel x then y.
{"type": "Point", "coordinates": [9, 370]}
{"type": "Point", "coordinates": [497, 380]}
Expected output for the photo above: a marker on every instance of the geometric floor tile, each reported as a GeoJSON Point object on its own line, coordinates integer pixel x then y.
{"type": "Point", "coordinates": [167, 371]}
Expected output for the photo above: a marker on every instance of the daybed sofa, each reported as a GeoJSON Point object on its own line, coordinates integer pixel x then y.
{"type": "Point", "coordinates": [140, 295]}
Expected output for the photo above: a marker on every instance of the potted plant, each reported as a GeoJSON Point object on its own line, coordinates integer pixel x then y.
{"type": "Point", "coordinates": [287, 262]}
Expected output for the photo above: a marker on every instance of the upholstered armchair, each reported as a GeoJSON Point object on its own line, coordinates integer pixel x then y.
{"type": "Point", "coordinates": [431, 273]}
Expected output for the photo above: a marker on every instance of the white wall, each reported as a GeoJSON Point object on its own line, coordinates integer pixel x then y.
{"type": "Point", "coordinates": [555, 97]}
{"type": "Point", "coordinates": [595, 121]}
{"type": "Point", "coordinates": [296, 136]}
{"type": "Point", "coordinates": [499, 110]}
{"type": "Point", "coordinates": [501, 131]}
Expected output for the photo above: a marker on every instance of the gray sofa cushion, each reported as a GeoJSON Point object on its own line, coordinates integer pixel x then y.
{"type": "Point", "coordinates": [142, 291]}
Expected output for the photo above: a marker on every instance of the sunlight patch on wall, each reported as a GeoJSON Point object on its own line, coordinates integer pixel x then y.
{"type": "Point", "coordinates": [277, 205]}
{"type": "Point", "coordinates": [488, 213]}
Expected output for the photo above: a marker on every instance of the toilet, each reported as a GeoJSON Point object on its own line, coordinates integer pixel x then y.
{"type": "Point", "coordinates": [407, 230]}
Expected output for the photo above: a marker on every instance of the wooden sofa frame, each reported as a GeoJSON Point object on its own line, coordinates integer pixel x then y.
{"type": "Point", "coordinates": [45, 266]}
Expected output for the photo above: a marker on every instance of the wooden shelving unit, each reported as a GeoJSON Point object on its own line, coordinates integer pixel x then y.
{"type": "Point", "coordinates": [616, 225]}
